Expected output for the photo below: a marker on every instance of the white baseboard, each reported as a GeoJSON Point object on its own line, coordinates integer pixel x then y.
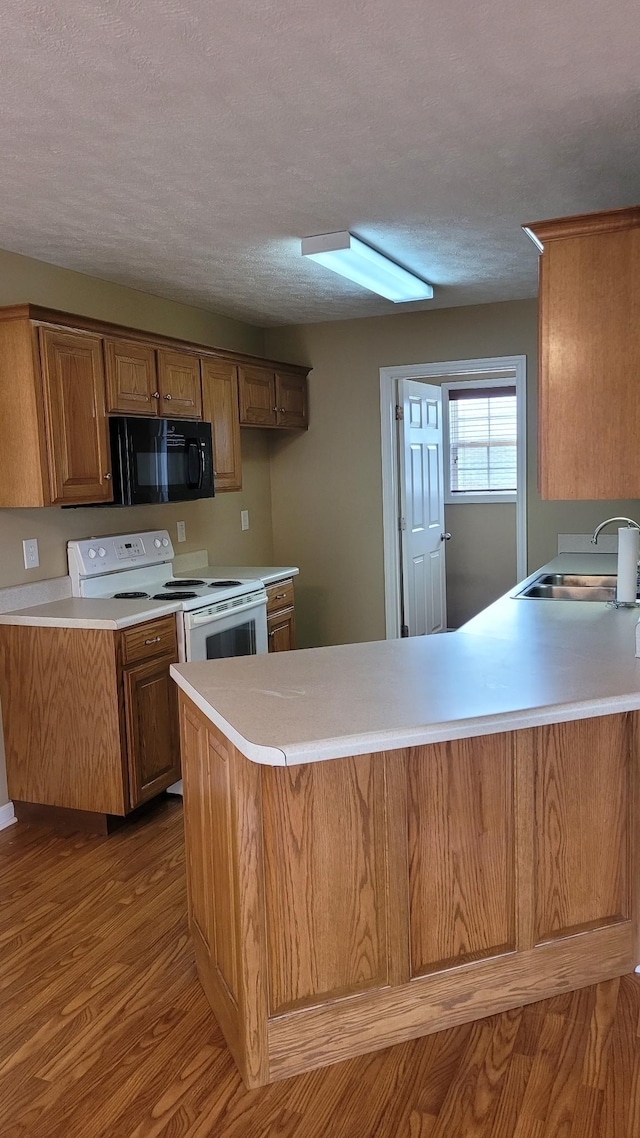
{"type": "Point", "coordinates": [7, 816]}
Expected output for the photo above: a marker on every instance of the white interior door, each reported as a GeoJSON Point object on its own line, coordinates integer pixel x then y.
{"type": "Point", "coordinates": [422, 508]}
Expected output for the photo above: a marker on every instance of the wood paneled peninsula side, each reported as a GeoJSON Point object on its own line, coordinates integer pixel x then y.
{"type": "Point", "coordinates": [384, 840]}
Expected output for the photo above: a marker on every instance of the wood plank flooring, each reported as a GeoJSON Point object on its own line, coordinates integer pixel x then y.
{"type": "Point", "coordinates": [105, 1032]}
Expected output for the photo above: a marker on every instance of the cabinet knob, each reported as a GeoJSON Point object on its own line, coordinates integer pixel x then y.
{"type": "Point", "coordinates": [274, 408]}
{"type": "Point", "coordinates": [167, 397]}
{"type": "Point", "coordinates": [107, 477]}
{"type": "Point", "coordinates": [156, 395]}
{"type": "Point", "coordinates": [282, 410]}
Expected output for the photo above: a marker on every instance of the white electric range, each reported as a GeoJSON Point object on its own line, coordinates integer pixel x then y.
{"type": "Point", "coordinates": [217, 618]}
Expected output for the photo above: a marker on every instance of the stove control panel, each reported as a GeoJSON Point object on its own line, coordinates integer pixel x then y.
{"type": "Point", "coordinates": [130, 547]}
{"type": "Point", "coordinates": [93, 557]}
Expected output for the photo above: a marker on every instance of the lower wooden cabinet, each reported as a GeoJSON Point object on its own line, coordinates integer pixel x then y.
{"type": "Point", "coordinates": [281, 617]}
{"type": "Point", "coordinates": [89, 715]}
{"type": "Point", "coordinates": [151, 709]}
{"type": "Point", "coordinates": [282, 631]}
{"type": "Point", "coordinates": [344, 906]}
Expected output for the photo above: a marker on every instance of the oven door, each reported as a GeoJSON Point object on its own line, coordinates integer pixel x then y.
{"type": "Point", "coordinates": [160, 460]}
{"type": "Point", "coordinates": [237, 632]}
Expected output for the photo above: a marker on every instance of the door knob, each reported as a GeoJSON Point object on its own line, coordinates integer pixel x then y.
{"type": "Point", "coordinates": [445, 537]}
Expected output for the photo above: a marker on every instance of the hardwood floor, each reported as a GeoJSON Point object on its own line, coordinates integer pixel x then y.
{"type": "Point", "coordinates": [105, 1032]}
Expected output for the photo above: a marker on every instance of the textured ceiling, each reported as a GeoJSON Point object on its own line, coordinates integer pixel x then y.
{"type": "Point", "coordinates": [185, 146]}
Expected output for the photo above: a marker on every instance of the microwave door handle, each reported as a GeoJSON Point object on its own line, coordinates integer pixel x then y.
{"type": "Point", "coordinates": [193, 484]}
{"type": "Point", "coordinates": [201, 453]}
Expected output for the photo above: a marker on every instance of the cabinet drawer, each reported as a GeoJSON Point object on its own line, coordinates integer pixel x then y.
{"type": "Point", "coordinates": [154, 638]}
{"type": "Point", "coordinates": [280, 596]}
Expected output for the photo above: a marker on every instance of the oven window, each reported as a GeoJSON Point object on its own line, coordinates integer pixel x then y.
{"type": "Point", "coordinates": [238, 641]}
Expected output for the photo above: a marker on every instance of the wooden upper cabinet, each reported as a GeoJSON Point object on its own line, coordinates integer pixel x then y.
{"type": "Point", "coordinates": [220, 408]}
{"type": "Point", "coordinates": [179, 385]}
{"type": "Point", "coordinates": [291, 399]}
{"type": "Point", "coordinates": [62, 375]}
{"type": "Point", "coordinates": [132, 382]}
{"type": "Point", "coordinates": [589, 395]}
{"type": "Point", "coordinates": [272, 398]}
{"type": "Point", "coordinates": [75, 417]}
{"type": "Point", "coordinates": [257, 397]}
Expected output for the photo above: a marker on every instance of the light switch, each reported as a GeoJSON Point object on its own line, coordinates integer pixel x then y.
{"type": "Point", "coordinates": [244, 519]}
{"type": "Point", "coordinates": [30, 553]}
{"type": "Point", "coordinates": [182, 533]}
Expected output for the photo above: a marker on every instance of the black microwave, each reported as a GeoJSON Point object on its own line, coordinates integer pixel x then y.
{"type": "Point", "coordinates": [160, 460]}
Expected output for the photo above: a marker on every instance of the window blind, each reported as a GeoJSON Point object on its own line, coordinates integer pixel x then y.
{"type": "Point", "coordinates": [483, 440]}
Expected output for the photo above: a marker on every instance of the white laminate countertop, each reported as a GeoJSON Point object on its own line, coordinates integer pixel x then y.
{"type": "Point", "coordinates": [77, 612]}
{"type": "Point", "coordinates": [520, 663]}
{"type": "Point", "coordinates": [265, 573]}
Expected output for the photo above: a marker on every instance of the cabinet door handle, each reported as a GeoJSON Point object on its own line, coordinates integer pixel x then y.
{"type": "Point", "coordinates": [156, 395]}
{"type": "Point", "coordinates": [167, 397]}
{"type": "Point", "coordinates": [154, 640]}
{"type": "Point", "coordinates": [107, 478]}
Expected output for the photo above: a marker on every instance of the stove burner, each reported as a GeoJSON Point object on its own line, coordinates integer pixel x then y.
{"type": "Point", "coordinates": [222, 584]}
{"type": "Point", "coordinates": [130, 596]}
{"type": "Point", "coordinates": [177, 596]}
{"type": "Point", "coordinates": [183, 583]}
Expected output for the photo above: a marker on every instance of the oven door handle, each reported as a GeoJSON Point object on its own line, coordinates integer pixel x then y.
{"type": "Point", "coordinates": [210, 618]}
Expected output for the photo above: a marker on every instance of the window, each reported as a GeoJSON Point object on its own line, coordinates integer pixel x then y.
{"type": "Point", "coordinates": [482, 441]}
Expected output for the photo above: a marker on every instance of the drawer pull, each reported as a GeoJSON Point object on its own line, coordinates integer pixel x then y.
{"type": "Point", "coordinates": [154, 640]}
{"type": "Point", "coordinates": [279, 596]}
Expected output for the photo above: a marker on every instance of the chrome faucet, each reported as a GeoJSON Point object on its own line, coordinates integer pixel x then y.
{"type": "Point", "coordinates": [597, 531]}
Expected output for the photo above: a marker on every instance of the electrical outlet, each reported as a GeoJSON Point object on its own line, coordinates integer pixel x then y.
{"type": "Point", "coordinates": [244, 519]}
{"type": "Point", "coordinates": [30, 553]}
{"type": "Point", "coordinates": [182, 533]}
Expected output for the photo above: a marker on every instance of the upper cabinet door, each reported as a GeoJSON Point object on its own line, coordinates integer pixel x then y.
{"type": "Point", "coordinates": [291, 399]}
{"type": "Point", "coordinates": [132, 384]}
{"type": "Point", "coordinates": [589, 313]}
{"type": "Point", "coordinates": [75, 416]}
{"type": "Point", "coordinates": [179, 383]}
{"type": "Point", "coordinates": [220, 408]}
{"type": "Point", "coordinates": [257, 397]}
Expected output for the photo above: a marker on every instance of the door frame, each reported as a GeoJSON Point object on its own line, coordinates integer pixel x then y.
{"type": "Point", "coordinates": [462, 370]}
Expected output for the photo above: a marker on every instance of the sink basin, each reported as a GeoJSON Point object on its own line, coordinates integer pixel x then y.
{"type": "Point", "coordinates": [571, 587]}
{"type": "Point", "coordinates": [591, 580]}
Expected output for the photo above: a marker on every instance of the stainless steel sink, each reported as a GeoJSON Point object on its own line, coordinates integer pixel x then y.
{"type": "Point", "coordinates": [591, 580]}
{"type": "Point", "coordinates": [570, 587]}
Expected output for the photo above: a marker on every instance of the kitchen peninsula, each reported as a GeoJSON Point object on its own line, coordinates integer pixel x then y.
{"type": "Point", "coordinates": [384, 840]}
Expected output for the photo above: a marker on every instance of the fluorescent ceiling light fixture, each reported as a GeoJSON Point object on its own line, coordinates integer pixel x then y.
{"type": "Point", "coordinates": [351, 258]}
